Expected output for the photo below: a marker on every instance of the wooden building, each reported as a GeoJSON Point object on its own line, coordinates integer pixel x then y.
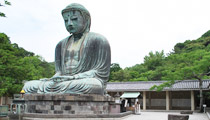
{"type": "Point", "coordinates": [182, 95]}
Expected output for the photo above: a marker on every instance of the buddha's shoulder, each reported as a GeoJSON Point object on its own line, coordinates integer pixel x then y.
{"type": "Point", "coordinates": [63, 40]}
{"type": "Point", "coordinates": [96, 36]}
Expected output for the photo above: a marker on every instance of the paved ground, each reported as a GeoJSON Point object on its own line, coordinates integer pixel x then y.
{"type": "Point", "coordinates": [143, 116]}
{"type": "Point", "coordinates": [163, 116]}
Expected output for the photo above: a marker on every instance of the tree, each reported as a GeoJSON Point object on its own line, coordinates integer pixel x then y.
{"type": "Point", "coordinates": [115, 67]}
{"type": "Point", "coordinates": [179, 47]}
{"type": "Point", "coordinates": [4, 4]}
{"type": "Point", "coordinates": [172, 67]}
{"type": "Point", "coordinates": [154, 60]}
{"type": "Point", "coordinates": [190, 60]}
{"type": "Point", "coordinates": [189, 65]}
{"type": "Point", "coordinates": [198, 66]}
{"type": "Point", "coordinates": [17, 65]}
{"type": "Point", "coordinates": [207, 34]}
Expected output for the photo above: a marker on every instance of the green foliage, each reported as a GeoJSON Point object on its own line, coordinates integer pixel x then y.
{"type": "Point", "coordinates": [189, 60]}
{"type": "Point", "coordinates": [207, 34]}
{"type": "Point", "coordinates": [115, 67]}
{"type": "Point", "coordinates": [1, 4]}
{"type": "Point", "coordinates": [160, 87]}
{"type": "Point", "coordinates": [7, 2]}
{"type": "Point", "coordinates": [189, 46]}
{"type": "Point", "coordinates": [179, 47]}
{"type": "Point", "coordinates": [120, 75]}
{"type": "Point", "coordinates": [139, 79]}
{"type": "Point", "coordinates": [17, 64]}
{"type": "Point", "coordinates": [140, 68]}
{"type": "Point", "coordinates": [206, 43]}
{"type": "Point", "coordinates": [2, 14]}
{"type": "Point", "coordinates": [154, 60]}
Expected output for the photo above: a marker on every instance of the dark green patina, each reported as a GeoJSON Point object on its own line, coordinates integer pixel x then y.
{"type": "Point", "coordinates": [82, 60]}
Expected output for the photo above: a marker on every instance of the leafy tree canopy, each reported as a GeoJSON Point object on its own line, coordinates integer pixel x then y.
{"type": "Point", "coordinates": [188, 60]}
{"type": "Point", "coordinates": [4, 4]}
{"type": "Point", "coordinates": [17, 65]}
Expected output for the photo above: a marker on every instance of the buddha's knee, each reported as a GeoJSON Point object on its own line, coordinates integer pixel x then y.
{"type": "Point", "coordinates": [31, 86]}
{"type": "Point", "coordinates": [95, 85]}
{"type": "Point", "coordinates": [86, 86]}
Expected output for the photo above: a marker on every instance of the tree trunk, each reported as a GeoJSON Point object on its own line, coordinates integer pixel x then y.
{"type": "Point", "coordinates": [1, 99]}
{"type": "Point", "coordinates": [201, 94]}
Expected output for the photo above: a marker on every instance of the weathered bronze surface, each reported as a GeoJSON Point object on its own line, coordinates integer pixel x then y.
{"type": "Point", "coordinates": [82, 60]}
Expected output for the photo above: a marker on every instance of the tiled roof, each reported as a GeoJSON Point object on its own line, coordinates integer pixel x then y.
{"type": "Point", "coordinates": [146, 85]}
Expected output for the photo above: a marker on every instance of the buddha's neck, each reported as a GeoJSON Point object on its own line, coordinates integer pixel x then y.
{"type": "Point", "coordinates": [77, 36]}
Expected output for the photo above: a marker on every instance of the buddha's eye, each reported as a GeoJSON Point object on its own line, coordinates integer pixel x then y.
{"type": "Point", "coordinates": [73, 18]}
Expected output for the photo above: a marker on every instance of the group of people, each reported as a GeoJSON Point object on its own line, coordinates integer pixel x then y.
{"type": "Point", "coordinates": [136, 105]}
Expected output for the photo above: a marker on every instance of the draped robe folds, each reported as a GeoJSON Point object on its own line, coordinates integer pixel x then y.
{"type": "Point", "coordinates": [90, 74]}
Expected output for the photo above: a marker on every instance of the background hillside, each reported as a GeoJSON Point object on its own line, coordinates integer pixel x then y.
{"type": "Point", "coordinates": [187, 60]}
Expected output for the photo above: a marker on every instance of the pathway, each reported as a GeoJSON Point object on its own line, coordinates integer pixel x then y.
{"type": "Point", "coordinates": [143, 116]}
{"type": "Point", "coordinates": [163, 116]}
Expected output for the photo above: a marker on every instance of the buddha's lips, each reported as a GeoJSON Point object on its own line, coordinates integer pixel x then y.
{"type": "Point", "coordinates": [70, 28]}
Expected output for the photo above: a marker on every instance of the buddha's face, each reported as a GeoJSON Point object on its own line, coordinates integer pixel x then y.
{"type": "Point", "coordinates": [74, 22]}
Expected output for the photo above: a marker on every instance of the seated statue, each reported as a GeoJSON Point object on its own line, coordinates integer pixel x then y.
{"type": "Point", "coordinates": [82, 60]}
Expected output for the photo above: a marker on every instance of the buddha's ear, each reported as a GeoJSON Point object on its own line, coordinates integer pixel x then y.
{"type": "Point", "coordinates": [88, 24]}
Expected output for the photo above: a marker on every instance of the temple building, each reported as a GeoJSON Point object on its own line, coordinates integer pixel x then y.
{"type": "Point", "coordinates": [182, 95]}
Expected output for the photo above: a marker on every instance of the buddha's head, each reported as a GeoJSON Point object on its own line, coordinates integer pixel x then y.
{"type": "Point", "coordinates": [77, 18]}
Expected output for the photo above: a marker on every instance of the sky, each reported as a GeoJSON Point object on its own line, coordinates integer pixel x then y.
{"type": "Point", "coordinates": [133, 27]}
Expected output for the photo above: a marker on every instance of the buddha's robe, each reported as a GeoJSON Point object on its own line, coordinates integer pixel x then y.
{"type": "Point", "coordinates": [88, 61]}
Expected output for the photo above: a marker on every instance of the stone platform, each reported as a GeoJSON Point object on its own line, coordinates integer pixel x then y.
{"type": "Point", "coordinates": [69, 104]}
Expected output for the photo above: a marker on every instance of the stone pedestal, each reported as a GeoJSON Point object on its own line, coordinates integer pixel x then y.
{"type": "Point", "coordinates": [89, 104]}
{"type": "Point", "coordinates": [186, 112]}
{"type": "Point", "coordinates": [114, 107]}
{"type": "Point", "coordinates": [178, 117]}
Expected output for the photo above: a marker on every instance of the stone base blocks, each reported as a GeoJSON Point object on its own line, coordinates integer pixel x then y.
{"type": "Point", "coordinates": [69, 104]}
{"type": "Point", "coordinates": [178, 117]}
{"type": "Point", "coordinates": [186, 112]}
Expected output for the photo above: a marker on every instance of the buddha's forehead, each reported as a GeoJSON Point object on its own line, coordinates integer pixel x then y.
{"type": "Point", "coordinates": [72, 13]}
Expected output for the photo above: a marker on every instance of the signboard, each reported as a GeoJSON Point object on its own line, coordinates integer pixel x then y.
{"type": "Point", "coordinates": [3, 110]}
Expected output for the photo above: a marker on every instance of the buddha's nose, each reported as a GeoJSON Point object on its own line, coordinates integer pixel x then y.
{"type": "Point", "coordinates": [70, 23]}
